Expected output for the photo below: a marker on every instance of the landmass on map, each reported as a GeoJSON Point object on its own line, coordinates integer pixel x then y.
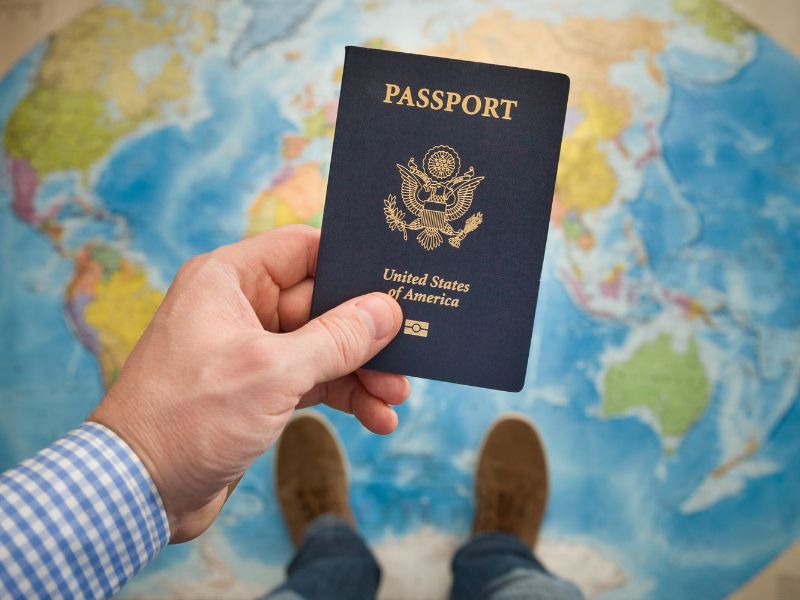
{"type": "Point", "coordinates": [669, 385]}
{"type": "Point", "coordinates": [73, 115]}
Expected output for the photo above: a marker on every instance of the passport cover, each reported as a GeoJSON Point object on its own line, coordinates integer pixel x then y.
{"type": "Point", "coordinates": [440, 189]}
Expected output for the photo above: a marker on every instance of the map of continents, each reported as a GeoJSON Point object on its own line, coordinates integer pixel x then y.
{"type": "Point", "coordinates": [89, 94]}
{"type": "Point", "coordinates": [664, 380]}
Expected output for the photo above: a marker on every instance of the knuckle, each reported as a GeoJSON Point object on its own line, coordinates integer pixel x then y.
{"type": "Point", "coordinates": [343, 334]}
{"type": "Point", "coordinates": [202, 269]}
{"type": "Point", "coordinates": [218, 255]}
{"type": "Point", "coordinates": [190, 267]}
{"type": "Point", "coordinates": [277, 362]}
{"type": "Point", "coordinates": [259, 353]}
{"type": "Point", "coordinates": [299, 228]}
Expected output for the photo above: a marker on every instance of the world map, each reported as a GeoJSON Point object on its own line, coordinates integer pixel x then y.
{"type": "Point", "coordinates": [664, 374]}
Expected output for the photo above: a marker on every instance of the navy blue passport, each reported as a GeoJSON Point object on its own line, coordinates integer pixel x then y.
{"type": "Point", "coordinates": [440, 189]}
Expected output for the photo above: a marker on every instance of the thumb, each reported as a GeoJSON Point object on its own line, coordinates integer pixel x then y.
{"type": "Point", "coordinates": [344, 338]}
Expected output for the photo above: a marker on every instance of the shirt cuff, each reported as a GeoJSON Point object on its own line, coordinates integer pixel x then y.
{"type": "Point", "coordinates": [78, 519]}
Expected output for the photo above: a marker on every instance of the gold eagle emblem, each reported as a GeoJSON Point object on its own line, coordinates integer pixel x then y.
{"type": "Point", "coordinates": [436, 195]}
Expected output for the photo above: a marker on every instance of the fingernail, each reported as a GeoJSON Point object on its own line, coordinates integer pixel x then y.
{"type": "Point", "coordinates": [378, 315]}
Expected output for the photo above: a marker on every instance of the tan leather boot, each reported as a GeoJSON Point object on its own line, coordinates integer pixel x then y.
{"type": "Point", "coordinates": [511, 480]}
{"type": "Point", "coordinates": [310, 473]}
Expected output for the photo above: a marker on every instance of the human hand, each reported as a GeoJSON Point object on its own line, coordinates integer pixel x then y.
{"type": "Point", "coordinates": [229, 355]}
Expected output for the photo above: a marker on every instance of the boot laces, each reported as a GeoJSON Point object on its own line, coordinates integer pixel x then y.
{"type": "Point", "coordinates": [503, 507]}
{"type": "Point", "coordinates": [317, 499]}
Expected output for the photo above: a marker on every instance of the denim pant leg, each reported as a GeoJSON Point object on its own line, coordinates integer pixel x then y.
{"type": "Point", "coordinates": [498, 566]}
{"type": "Point", "coordinates": [332, 562]}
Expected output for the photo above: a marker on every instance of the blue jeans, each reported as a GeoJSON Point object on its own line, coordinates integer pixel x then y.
{"type": "Point", "coordinates": [333, 562]}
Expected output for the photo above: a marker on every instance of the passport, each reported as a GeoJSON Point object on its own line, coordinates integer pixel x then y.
{"type": "Point", "coordinates": [439, 194]}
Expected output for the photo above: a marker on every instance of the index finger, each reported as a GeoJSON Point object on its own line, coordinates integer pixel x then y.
{"type": "Point", "coordinates": [283, 257]}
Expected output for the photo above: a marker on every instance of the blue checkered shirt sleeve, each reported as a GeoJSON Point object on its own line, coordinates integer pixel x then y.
{"type": "Point", "coordinates": [79, 519]}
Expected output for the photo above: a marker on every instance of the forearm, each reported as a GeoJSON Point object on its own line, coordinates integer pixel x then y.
{"type": "Point", "coordinates": [78, 519]}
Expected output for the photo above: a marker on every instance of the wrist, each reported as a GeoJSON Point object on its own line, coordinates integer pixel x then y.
{"type": "Point", "coordinates": [132, 436]}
